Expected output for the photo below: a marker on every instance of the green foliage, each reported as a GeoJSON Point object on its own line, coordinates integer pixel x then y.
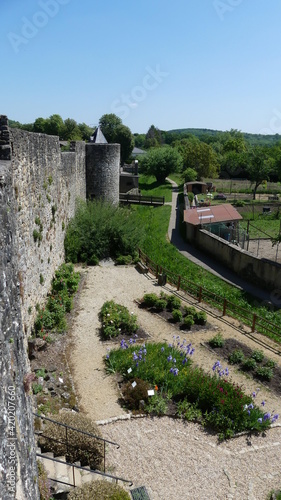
{"type": "Point", "coordinates": [264, 373]}
{"type": "Point", "coordinates": [188, 322]}
{"type": "Point", "coordinates": [200, 318]}
{"type": "Point", "coordinates": [116, 320]}
{"type": "Point", "coordinates": [160, 162]}
{"type": "Point", "coordinates": [115, 132]}
{"type": "Point", "coordinates": [236, 357]}
{"type": "Point", "coordinates": [36, 388]}
{"type": "Point", "coordinates": [270, 363]}
{"type": "Point", "coordinates": [257, 355]}
{"type": "Point", "coordinates": [99, 490]}
{"type": "Point", "coordinates": [160, 304]}
{"type": "Point", "coordinates": [100, 230]}
{"type": "Point", "coordinates": [37, 236]}
{"type": "Point", "coordinates": [173, 302]}
{"type": "Point", "coordinates": [189, 175]}
{"type": "Point", "coordinates": [151, 187]}
{"type": "Point", "coordinates": [157, 405]}
{"type": "Point", "coordinates": [188, 411]}
{"type": "Point", "coordinates": [189, 311]}
{"type": "Point", "coordinates": [65, 283]}
{"type": "Point", "coordinates": [150, 299]}
{"type": "Point", "coordinates": [177, 315]}
{"type": "Point", "coordinates": [220, 403]}
{"type": "Point", "coordinates": [248, 364]}
{"type": "Point", "coordinates": [82, 448]}
{"type": "Point", "coordinates": [41, 279]}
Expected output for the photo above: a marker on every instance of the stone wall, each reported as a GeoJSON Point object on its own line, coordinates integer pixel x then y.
{"type": "Point", "coordinates": [261, 272]}
{"type": "Point", "coordinates": [46, 184]}
{"type": "Point", "coordinates": [102, 175]}
{"type": "Point", "coordinates": [18, 471]}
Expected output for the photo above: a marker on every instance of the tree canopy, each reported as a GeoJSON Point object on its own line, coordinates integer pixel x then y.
{"type": "Point", "coordinates": [161, 162]}
{"type": "Point", "coordinates": [115, 132]}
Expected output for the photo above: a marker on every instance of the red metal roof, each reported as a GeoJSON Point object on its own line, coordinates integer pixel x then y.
{"type": "Point", "coordinates": [211, 214]}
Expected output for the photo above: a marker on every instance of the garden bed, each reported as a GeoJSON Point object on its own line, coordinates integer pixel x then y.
{"type": "Point", "coordinates": [232, 345]}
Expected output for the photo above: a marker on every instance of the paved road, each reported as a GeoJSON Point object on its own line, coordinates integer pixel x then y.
{"type": "Point", "coordinates": [204, 260]}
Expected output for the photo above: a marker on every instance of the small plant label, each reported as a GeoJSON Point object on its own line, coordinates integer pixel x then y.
{"type": "Point", "coordinates": [129, 370]}
{"type": "Point", "coordinates": [134, 385]}
{"type": "Point", "coordinates": [150, 392]}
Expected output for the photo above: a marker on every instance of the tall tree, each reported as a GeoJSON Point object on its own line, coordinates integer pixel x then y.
{"type": "Point", "coordinates": [153, 138]}
{"type": "Point", "coordinates": [108, 124]}
{"type": "Point", "coordinates": [160, 162]}
{"type": "Point", "coordinates": [115, 132]}
{"type": "Point", "coordinates": [259, 167]}
{"type": "Point", "coordinates": [199, 156]}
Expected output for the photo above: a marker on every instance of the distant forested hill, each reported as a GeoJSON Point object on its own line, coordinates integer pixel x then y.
{"type": "Point", "coordinates": [208, 135]}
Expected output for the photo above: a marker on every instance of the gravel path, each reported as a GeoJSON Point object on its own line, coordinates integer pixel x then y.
{"type": "Point", "coordinates": [173, 459]}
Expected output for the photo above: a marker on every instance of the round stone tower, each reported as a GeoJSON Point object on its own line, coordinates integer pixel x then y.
{"type": "Point", "coordinates": [102, 169]}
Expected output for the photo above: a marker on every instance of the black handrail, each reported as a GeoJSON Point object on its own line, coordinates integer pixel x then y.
{"type": "Point", "coordinates": [77, 430]}
{"type": "Point", "coordinates": [104, 474]}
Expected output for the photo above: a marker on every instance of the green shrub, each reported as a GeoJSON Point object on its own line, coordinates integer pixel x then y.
{"type": "Point", "coordinates": [133, 395]}
{"type": "Point", "coordinates": [188, 321]}
{"type": "Point", "coordinates": [177, 315]}
{"type": "Point", "coordinates": [160, 304]}
{"type": "Point", "coordinates": [270, 363]}
{"type": "Point", "coordinates": [264, 373]}
{"type": "Point", "coordinates": [217, 341]}
{"type": "Point", "coordinates": [188, 411]}
{"type": "Point", "coordinates": [249, 364]}
{"type": "Point", "coordinates": [236, 357]}
{"type": "Point", "coordinates": [157, 405]}
{"type": "Point", "coordinates": [99, 490]}
{"type": "Point", "coordinates": [150, 299]}
{"type": "Point", "coordinates": [116, 320]}
{"type": "Point", "coordinates": [81, 448]}
{"type": "Point", "coordinates": [189, 311]}
{"type": "Point", "coordinates": [173, 302]}
{"type": "Point", "coordinates": [257, 355]}
{"type": "Point", "coordinates": [102, 230]}
{"type": "Point", "coordinates": [200, 318]}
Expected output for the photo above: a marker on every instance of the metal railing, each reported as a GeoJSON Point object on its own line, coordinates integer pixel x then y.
{"type": "Point", "coordinates": [66, 442]}
{"type": "Point", "coordinates": [79, 467]}
{"type": "Point", "coordinates": [201, 294]}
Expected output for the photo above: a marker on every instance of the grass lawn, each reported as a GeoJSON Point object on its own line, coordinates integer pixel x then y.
{"type": "Point", "coordinates": [150, 187]}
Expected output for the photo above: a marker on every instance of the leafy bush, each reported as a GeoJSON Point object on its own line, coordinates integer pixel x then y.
{"type": "Point", "coordinates": [264, 372]}
{"type": "Point", "coordinates": [270, 363]}
{"type": "Point", "coordinates": [173, 302]}
{"type": "Point", "coordinates": [236, 357]}
{"type": "Point", "coordinates": [99, 490]}
{"type": "Point", "coordinates": [217, 341]}
{"type": "Point", "coordinates": [160, 304]}
{"type": "Point", "coordinates": [133, 395]}
{"type": "Point", "coordinates": [65, 283]}
{"type": "Point", "coordinates": [177, 315]}
{"type": "Point", "coordinates": [188, 411]}
{"type": "Point", "coordinates": [257, 355]}
{"type": "Point", "coordinates": [200, 318]}
{"type": "Point", "coordinates": [101, 230]}
{"type": "Point", "coordinates": [188, 321]}
{"type": "Point", "coordinates": [81, 448]}
{"type": "Point", "coordinates": [189, 311]}
{"type": "Point", "coordinates": [116, 320]}
{"type": "Point", "coordinates": [157, 405]}
{"type": "Point", "coordinates": [150, 299]}
{"type": "Point", "coordinates": [249, 364]}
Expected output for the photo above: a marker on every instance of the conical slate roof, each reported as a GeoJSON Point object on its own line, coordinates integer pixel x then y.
{"type": "Point", "coordinates": [98, 137]}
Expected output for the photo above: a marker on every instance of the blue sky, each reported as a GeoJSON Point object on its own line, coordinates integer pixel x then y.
{"type": "Point", "coordinates": [175, 64]}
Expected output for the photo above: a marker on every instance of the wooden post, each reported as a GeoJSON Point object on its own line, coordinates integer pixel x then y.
{"type": "Point", "coordinates": [179, 283]}
{"type": "Point", "coordinates": [200, 294]}
{"type": "Point", "coordinates": [157, 271]}
{"type": "Point", "coordinates": [224, 307]}
{"type": "Point", "coordinates": [254, 322]}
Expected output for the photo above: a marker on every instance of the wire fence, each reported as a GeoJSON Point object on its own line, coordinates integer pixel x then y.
{"type": "Point", "coordinates": [202, 294]}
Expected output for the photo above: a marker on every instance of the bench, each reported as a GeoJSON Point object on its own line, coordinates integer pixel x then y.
{"type": "Point", "coordinates": [142, 268]}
